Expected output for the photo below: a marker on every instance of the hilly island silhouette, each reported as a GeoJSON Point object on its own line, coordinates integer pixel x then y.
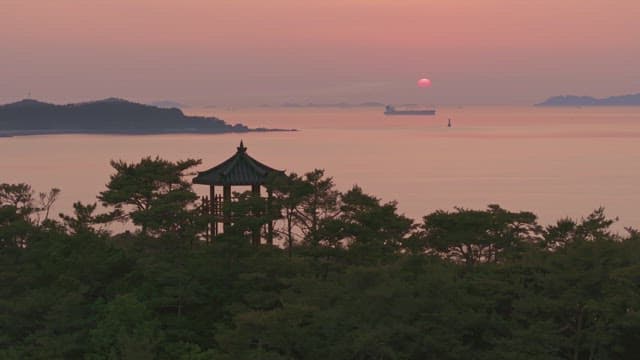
{"type": "Point", "coordinates": [108, 116]}
{"type": "Point", "coordinates": [573, 100]}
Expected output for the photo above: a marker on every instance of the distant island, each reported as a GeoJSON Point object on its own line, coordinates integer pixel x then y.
{"type": "Point", "coordinates": [572, 100]}
{"type": "Point", "coordinates": [109, 116]}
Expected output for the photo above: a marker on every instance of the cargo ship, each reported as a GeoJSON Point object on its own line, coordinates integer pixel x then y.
{"type": "Point", "coordinates": [391, 110]}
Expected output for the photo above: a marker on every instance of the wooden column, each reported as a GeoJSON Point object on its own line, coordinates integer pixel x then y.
{"type": "Point", "coordinates": [226, 207]}
{"type": "Point", "coordinates": [255, 232]}
{"type": "Point", "coordinates": [206, 212]}
{"type": "Point", "coordinates": [270, 223]}
{"type": "Point", "coordinates": [213, 222]}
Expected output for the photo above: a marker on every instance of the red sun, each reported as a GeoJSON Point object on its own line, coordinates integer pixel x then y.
{"type": "Point", "coordinates": [424, 83]}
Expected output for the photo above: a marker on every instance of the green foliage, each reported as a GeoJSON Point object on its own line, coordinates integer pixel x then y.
{"type": "Point", "coordinates": [319, 204]}
{"type": "Point", "coordinates": [50, 287]}
{"type": "Point", "coordinates": [249, 214]}
{"type": "Point", "coordinates": [473, 236]}
{"type": "Point", "coordinates": [159, 198]}
{"type": "Point", "coordinates": [593, 227]}
{"type": "Point", "coordinates": [84, 219]}
{"type": "Point", "coordinates": [370, 228]}
{"type": "Point", "coordinates": [362, 283]}
{"type": "Point", "coordinates": [19, 196]}
{"type": "Point", "coordinates": [20, 212]}
{"type": "Point", "coordinates": [125, 329]}
{"type": "Point", "coordinates": [289, 194]}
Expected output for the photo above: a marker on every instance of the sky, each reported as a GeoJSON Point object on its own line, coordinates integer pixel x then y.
{"type": "Point", "coordinates": [252, 52]}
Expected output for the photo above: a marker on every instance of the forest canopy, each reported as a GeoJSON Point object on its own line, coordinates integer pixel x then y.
{"type": "Point", "coordinates": [348, 277]}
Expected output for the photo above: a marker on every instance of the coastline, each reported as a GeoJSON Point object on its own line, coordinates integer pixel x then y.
{"type": "Point", "coordinates": [16, 133]}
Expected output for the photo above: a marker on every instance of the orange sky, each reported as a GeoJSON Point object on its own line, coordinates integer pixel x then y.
{"type": "Point", "coordinates": [251, 52]}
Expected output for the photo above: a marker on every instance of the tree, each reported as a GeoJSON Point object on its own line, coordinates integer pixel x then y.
{"type": "Point", "coordinates": [473, 236]}
{"type": "Point", "coordinates": [320, 203]}
{"type": "Point", "coordinates": [19, 211]}
{"type": "Point", "coordinates": [19, 196]}
{"type": "Point", "coordinates": [249, 215]}
{"type": "Point", "coordinates": [596, 226]}
{"type": "Point", "coordinates": [125, 330]}
{"type": "Point", "coordinates": [370, 225]}
{"type": "Point", "coordinates": [84, 219]}
{"type": "Point", "coordinates": [156, 194]}
{"type": "Point", "coordinates": [45, 202]}
{"type": "Point", "coordinates": [288, 195]}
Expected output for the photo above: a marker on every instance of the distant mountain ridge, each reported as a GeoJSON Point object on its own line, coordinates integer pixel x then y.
{"type": "Point", "coordinates": [108, 116]}
{"type": "Point", "coordinates": [572, 100]}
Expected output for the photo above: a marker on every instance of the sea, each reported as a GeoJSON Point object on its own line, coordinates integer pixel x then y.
{"type": "Point", "coordinates": [555, 162]}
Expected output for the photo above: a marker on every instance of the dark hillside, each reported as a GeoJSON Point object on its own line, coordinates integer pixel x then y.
{"type": "Point", "coordinates": [104, 116]}
{"type": "Point", "coordinates": [572, 100]}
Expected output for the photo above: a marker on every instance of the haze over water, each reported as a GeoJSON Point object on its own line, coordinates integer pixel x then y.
{"type": "Point", "coordinates": [248, 52]}
{"type": "Point", "coordinates": [555, 162]}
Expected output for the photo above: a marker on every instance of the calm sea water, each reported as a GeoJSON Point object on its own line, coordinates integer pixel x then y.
{"type": "Point", "coordinates": [555, 162]}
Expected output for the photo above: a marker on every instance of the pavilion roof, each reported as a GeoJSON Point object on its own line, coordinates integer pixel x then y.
{"type": "Point", "coordinates": [240, 169]}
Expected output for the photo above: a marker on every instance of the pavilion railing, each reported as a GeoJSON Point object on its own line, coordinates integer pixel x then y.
{"type": "Point", "coordinates": [216, 208]}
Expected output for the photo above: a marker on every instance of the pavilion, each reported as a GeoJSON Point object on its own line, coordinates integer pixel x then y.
{"type": "Point", "coordinates": [239, 170]}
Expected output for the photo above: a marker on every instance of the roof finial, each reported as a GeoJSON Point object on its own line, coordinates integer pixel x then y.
{"type": "Point", "coordinates": [241, 148]}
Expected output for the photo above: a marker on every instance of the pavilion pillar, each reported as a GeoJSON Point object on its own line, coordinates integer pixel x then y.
{"type": "Point", "coordinates": [213, 222]}
{"type": "Point", "coordinates": [270, 223]}
{"type": "Point", "coordinates": [226, 207]}
{"type": "Point", "coordinates": [255, 232]}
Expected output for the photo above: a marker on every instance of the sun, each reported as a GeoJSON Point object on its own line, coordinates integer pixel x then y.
{"type": "Point", "coordinates": [424, 83]}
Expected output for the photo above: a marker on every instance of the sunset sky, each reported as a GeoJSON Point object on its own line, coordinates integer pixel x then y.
{"type": "Point", "coordinates": [249, 52]}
